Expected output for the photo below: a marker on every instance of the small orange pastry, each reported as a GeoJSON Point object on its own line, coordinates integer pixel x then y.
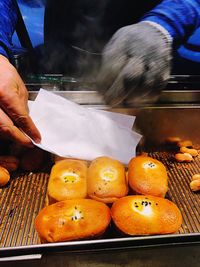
{"type": "Point", "coordinates": [146, 215]}
{"type": "Point", "coordinates": [67, 180]}
{"type": "Point", "coordinates": [147, 176]}
{"type": "Point", "coordinates": [72, 220]}
{"type": "Point", "coordinates": [106, 180]}
{"type": "Point", "coordinates": [4, 176]}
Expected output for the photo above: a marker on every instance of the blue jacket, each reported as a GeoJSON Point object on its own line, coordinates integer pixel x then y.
{"type": "Point", "coordinates": [8, 19]}
{"type": "Point", "coordinates": [182, 20]}
{"type": "Point", "coordinates": [180, 17]}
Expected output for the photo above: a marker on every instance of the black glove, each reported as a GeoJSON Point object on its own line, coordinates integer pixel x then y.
{"type": "Point", "coordinates": [135, 64]}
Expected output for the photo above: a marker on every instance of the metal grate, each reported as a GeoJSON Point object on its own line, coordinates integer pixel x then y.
{"type": "Point", "coordinates": [180, 175]}
{"type": "Point", "coordinates": [20, 202]}
{"type": "Point", "coordinates": [22, 199]}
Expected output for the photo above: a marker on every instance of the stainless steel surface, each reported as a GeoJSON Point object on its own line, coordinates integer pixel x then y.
{"type": "Point", "coordinates": [90, 97]}
{"type": "Point", "coordinates": [175, 113]}
{"type": "Point", "coordinates": [21, 258]}
{"type": "Point", "coordinates": [84, 98]}
{"type": "Point", "coordinates": [157, 123]}
{"type": "Point", "coordinates": [20, 202]}
{"type": "Point", "coordinates": [151, 257]}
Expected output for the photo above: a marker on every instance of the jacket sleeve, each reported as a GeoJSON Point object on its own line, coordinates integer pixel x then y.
{"type": "Point", "coordinates": [8, 19]}
{"type": "Point", "coordinates": [179, 17]}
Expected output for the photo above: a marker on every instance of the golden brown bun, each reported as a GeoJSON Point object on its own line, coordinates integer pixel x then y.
{"type": "Point", "coordinates": [72, 220]}
{"type": "Point", "coordinates": [147, 176]}
{"type": "Point", "coordinates": [146, 215]}
{"type": "Point", "coordinates": [4, 176]}
{"type": "Point", "coordinates": [67, 180]}
{"type": "Point", "coordinates": [106, 180]}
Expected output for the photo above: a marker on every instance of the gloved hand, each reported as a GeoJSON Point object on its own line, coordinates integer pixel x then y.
{"type": "Point", "coordinates": [13, 106]}
{"type": "Point", "coordinates": [135, 64]}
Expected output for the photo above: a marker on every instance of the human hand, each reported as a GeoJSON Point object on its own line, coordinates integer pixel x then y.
{"type": "Point", "coordinates": [14, 117]}
{"type": "Point", "coordinates": [135, 64]}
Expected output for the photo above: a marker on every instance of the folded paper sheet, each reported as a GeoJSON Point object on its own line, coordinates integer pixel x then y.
{"type": "Point", "coordinates": [71, 130]}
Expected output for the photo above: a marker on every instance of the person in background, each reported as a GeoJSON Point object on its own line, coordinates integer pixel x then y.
{"type": "Point", "coordinates": [136, 61]}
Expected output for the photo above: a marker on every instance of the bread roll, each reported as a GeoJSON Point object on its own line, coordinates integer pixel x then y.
{"type": "Point", "coordinates": [147, 176]}
{"type": "Point", "coordinates": [4, 176]}
{"type": "Point", "coordinates": [72, 220]}
{"type": "Point", "coordinates": [106, 180]}
{"type": "Point", "coordinates": [67, 180]}
{"type": "Point", "coordinates": [146, 215]}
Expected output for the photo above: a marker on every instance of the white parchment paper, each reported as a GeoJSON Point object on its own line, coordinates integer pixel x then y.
{"type": "Point", "coordinates": [71, 130]}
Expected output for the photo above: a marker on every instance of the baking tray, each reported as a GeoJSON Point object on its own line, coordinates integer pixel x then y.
{"type": "Point", "coordinates": [22, 199]}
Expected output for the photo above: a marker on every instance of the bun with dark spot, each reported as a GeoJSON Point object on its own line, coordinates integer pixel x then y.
{"type": "Point", "coordinates": [146, 215]}
{"type": "Point", "coordinates": [148, 176]}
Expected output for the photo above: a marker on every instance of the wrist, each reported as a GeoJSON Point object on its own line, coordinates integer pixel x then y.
{"type": "Point", "coordinates": [165, 34]}
{"type": "Point", "coordinates": [3, 58]}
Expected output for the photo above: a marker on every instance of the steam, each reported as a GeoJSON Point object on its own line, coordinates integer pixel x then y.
{"type": "Point", "coordinates": [74, 38]}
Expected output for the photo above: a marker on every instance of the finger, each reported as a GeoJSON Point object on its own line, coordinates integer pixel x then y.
{"type": "Point", "coordinates": [26, 124]}
{"type": "Point", "coordinates": [127, 81]}
{"type": "Point", "coordinates": [25, 96]}
{"type": "Point", "coordinates": [158, 73]}
{"type": "Point", "coordinates": [16, 109]}
{"type": "Point", "coordinates": [9, 131]}
{"type": "Point", "coordinates": [112, 64]}
{"type": "Point", "coordinates": [155, 79]}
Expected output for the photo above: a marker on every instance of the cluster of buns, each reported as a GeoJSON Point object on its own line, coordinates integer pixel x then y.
{"type": "Point", "coordinates": [80, 197]}
{"type": "Point", "coordinates": [19, 158]}
{"type": "Point", "coordinates": [103, 180]}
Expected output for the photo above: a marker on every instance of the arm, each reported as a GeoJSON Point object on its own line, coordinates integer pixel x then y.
{"type": "Point", "coordinates": [178, 17]}
{"type": "Point", "coordinates": [14, 118]}
{"type": "Point", "coordinates": [8, 19]}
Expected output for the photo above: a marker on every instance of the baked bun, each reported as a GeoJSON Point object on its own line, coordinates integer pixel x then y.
{"type": "Point", "coordinates": [67, 180]}
{"type": "Point", "coordinates": [147, 176]}
{"type": "Point", "coordinates": [72, 220]}
{"type": "Point", "coordinates": [146, 215]}
{"type": "Point", "coordinates": [4, 176]}
{"type": "Point", "coordinates": [106, 180]}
